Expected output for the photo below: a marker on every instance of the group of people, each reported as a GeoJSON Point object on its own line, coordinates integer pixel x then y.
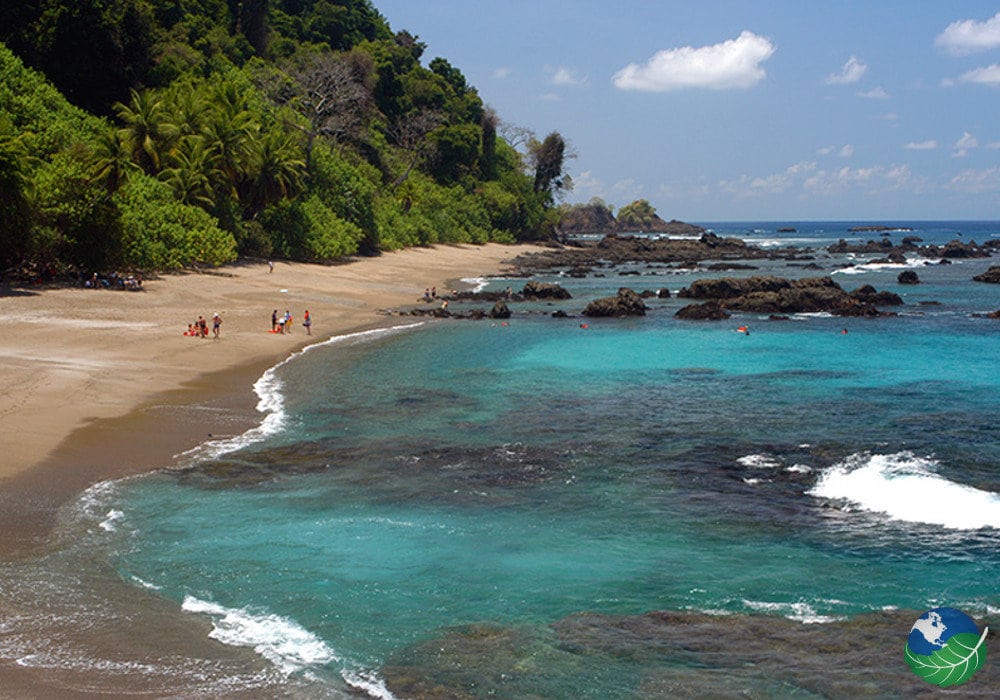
{"type": "Point", "coordinates": [199, 329]}
{"type": "Point", "coordinates": [283, 323]}
{"type": "Point", "coordinates": [112, 281]}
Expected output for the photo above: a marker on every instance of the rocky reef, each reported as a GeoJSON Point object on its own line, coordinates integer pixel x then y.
{"type": "Point", "coordinates": [777, 295]}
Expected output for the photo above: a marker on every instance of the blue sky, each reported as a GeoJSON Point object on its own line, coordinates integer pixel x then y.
{"type": "Point", "coordinates": [744, 110]}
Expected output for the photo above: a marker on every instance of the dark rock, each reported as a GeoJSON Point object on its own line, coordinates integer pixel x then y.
{"type": "Point", "coordinates": [993, 314]}
{"type": "Point", "coordinates": [499, 310]}
{"type": "Point", "coordinates": [648, 294]}
{"type": "Point", "coordinates": [544, 290]}
{"type": "Point", "coordinates": [867, 294]}
{"type": "Point", "coordinates": [777, 317]}
{"type": "Point", "coordinates": [908, 277]}
{"type": "Point", "coordinates": [786, 229]}
{"type": "Point", "coordinates": [626, 303]}
{"type": "Point", "coordinates": [664, 293]}
{"type": "Point", "coordinates": [991, 276]}
{"type": "Point", "coordinates": [560, 314]}
{"type": "Point", "coordinates": [709, 311]}
{"type": "Point", "coordinates": [722, 266]}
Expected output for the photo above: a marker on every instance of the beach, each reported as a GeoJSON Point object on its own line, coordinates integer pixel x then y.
{"type": "Point", "coordinates": [417, 508]}
{"type": "Point", "coordinates": [93, 383]}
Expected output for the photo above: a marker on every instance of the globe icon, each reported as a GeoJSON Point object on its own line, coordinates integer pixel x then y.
{"type": "Point", "coordinates": [945, 647]}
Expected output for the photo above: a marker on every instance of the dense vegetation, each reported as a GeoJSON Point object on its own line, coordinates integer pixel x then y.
{"type": "Point", "coordinates": [156, 134]}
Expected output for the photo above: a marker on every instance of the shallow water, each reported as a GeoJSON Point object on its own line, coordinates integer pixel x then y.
{"type": "Point", "coordinates": [466, 509]}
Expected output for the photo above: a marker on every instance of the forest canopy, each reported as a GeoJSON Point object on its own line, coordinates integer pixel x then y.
{"type": "Point", "coordinates": [156, 134]}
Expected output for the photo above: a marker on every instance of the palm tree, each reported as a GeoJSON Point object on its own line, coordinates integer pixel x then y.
{"type": "Point", "coordinates": [111, 159]}
{"type": "Point", "coordinates": [190, 173]}
{"type": "Point", "coordinates": [277, 170]}
{"type": "Point", "coordinates": [228, 131]}
{"type": "Point", "coordinates": [188, 108]}
{"type": "Point", "coordinates": [148, 129]}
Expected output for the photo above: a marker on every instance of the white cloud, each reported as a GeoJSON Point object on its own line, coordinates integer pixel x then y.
{"type": "Point", "coordinates": [565, 76]}
{"type": "Point", "coordinates": [888, 117]}
{"type": "Point", "coordinates": [976, 181]}
{"type": "Point", "coordinates": [872, 180]}
{"type": "Point", "coordinates": [502, 72]}
{"type": "Point", "coordinates": [989, 75]}
{"type": "Point", "coordinates": [845, 151]}
{"type": "Point", "coordinates": [921, 145]}
{"type": "Point", "coordinates": [969, 36]}
{"type": "Point", "coordinates": [761, 185]}
{"type": "Point", "coordinates": [732, 64]}
{"type": "Point", "coordinates": [965, 142]}
{"type": "Point", "coordinates": [993, 145]}
{"type": "Point", "coordinates": [850, 73]}
{"type": "Point", "coordinates": [876, 93]}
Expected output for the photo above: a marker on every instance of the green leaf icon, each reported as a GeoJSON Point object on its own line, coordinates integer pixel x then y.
{"type": "Point", "coordinates": [954, 663]}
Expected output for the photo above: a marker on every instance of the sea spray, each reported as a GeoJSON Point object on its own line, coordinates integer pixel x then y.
{"type": "Point", "coordinates": [906, 487]}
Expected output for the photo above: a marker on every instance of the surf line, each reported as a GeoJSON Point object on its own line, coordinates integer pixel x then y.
{"type": "Point", "coordinates": [271, 401]}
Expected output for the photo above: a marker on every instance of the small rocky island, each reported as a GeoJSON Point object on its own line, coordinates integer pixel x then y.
{"type": "Point", "coordinates": [637, 217]}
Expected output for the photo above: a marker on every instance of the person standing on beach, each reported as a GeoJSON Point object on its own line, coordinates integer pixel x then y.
{"type": "Point", "coordinates": [216, 325]}
{"type": "Point", "coordinates": [307, 322]}
{"type": "Point", "coordinates": [288, 322]}
{"type": "Point", "coordinates": [274, 320]}
{"type": "Point", "coordinates": [270, 267]}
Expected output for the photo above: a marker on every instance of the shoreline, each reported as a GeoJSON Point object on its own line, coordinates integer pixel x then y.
{"type": "Point", "coordinates": [92, 394]}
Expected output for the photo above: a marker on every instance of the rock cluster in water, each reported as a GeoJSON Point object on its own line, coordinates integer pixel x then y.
{"type": "Point", "coordinates": [991, 276]}
{"type": "Point", "coordinates": [777, 295]}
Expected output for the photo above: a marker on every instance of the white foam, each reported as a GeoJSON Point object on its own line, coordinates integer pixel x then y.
{"type": "Point", "coordinates": [280, 640]}
{"type": "Point", "coordinates": [799, 469]}
{"type": "Point", "coordinates": [271, 401]}
{"type": "Point", "coordinates": [905, 487]}
{"type": "Point", "coordinates": [800, 611]}
{"type": "Point", "coordinates": [112, 517]}
{"type": "Point", "coordinates": [478, 284]}
{"type": "Point", "coordinates": [759, 461]}
{"type": "Point", "coordinates": [369, 683]}
{"type": "Point", "coordinates": [864, 267]}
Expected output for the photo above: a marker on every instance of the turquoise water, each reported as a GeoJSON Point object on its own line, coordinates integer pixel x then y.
{"type": "Point", "coordinates": [445, 502]}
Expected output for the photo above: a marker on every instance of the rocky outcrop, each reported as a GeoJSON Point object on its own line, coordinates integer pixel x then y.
{"type": "Point", "coordinates": [544, 290]}
{"type": "Point", "coordinates": [991, 276]}
{"type": "Point", "coordinates": [625, 303]}
{"type": "Point", "coordinates": [777, 295]}
{"type": "Point", "coordinates": [908, 277]}
{"type": "Point", "coordinates": [709, 311]}
{"type": "Point", "coordinates": [598, 218]}
{"type": "Point", "coordinates": [952, 249]}
{"type": "Point", "coordinates": [499, 310]}
{"type": "Point", "coordinates": [867, 294]}
{"type": "Point", "coordinates": [613, 250]}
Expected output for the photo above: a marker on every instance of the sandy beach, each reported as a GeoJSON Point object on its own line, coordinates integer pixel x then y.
{"type": "Point", "coordinates": [94, 383]}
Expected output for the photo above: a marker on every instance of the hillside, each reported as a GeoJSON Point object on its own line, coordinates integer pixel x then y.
{"type": "Point", "coordinates": [168, 133]}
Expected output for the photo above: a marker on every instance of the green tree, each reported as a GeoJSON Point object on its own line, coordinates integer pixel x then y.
{"type": "Point", "coordinates": [190, 173]}
{"type": "Point", "coordinates": [276, 170]}
{"type": "Point", "coordinates": [111, 159]}
{"type": "Point", "coordinates": [148, 129]}
{"type": "Point", "coordinates": [15, 208]}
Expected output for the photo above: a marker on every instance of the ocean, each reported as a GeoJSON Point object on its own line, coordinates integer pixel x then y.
{"type": "Point", "coordinates": [570, 507]}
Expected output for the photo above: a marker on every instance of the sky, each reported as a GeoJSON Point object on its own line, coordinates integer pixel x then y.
{"type": "Point", "coordinates": [740, 110]}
